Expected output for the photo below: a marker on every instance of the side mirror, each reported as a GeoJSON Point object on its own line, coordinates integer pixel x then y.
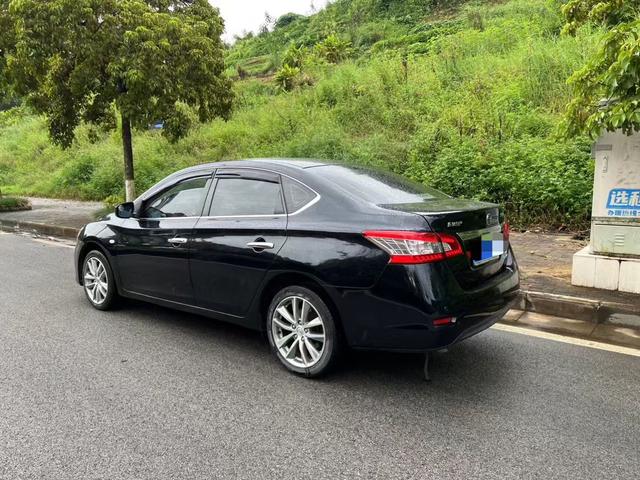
{"type": "Point", "coordinates": [125, 210]}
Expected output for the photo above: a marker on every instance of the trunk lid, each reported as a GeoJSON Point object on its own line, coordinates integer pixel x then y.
{"type": "Point", "coordinates": [469, 220]}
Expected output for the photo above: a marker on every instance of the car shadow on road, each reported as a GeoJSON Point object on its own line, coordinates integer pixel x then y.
{"type": "Point", "coordinates": [478, 363]}
{"type": "Point", "coordinates": [470, 365]}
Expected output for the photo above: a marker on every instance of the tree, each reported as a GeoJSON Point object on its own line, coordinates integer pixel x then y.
{"type": "Point", "coordinates": [286, 20]}
{"type": "Point", "coordinates": [613, 74]}
{"type": "Point", "coordinates": [268, 22]}
{"type": "Point", "coordinates": [6, 40]}
{"type": "Point", "coordinates": [86, 60]}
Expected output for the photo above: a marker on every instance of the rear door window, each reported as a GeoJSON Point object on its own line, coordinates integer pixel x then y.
{"type": "Point", "coordinates": [240, 196]}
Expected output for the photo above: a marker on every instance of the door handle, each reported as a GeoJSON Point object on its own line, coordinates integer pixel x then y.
{"type": "Point", "coordinates": [177, 241]}
{"type": "Point", "coordinates": [260, 245]}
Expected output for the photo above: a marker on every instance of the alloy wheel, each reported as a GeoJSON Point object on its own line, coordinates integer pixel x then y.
{"type": "Point", "coordinates": [96, 281]}
{"type": "Point", "coordinates": [298, 332]}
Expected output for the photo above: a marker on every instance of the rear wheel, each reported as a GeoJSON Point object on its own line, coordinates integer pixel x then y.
{"type": "Point", "coordinates": [302, 332]}
{"type": "Point", "coordinates": [98, 282]}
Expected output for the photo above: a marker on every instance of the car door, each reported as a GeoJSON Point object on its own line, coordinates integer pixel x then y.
{"type": "Point", "coordinates": [236, 243]}
{"type": "Point", "coordinates": [153, 249]}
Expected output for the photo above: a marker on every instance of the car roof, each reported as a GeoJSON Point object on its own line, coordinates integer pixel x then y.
{"type": "Point", "coordinates": [279, 165]}
{"type": "Point", "coordinates": [283, 163]}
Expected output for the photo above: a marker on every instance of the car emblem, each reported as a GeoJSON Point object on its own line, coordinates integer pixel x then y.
{"type": "Point", "coordinates": [454, 224]}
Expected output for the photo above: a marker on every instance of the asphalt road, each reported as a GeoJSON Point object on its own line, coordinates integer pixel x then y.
{"type": "Point", "coordinates": [146, 392]}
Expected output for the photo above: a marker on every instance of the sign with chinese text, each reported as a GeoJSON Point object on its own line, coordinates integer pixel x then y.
{"type": "Point", "coordinates": [623, 202]}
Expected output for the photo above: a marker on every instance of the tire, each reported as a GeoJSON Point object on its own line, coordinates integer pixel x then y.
{"type": "Point", "coordinates": [311, 351]}
{"type": "Point", "coordinates": [98, 281]}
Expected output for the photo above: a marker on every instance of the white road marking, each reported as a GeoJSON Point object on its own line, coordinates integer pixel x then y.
{"type": "Point", "coordinates": [570, 340]}
{"type": "Point", "coordinates": [53, 243]}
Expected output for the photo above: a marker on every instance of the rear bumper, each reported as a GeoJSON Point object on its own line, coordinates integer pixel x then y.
{"type": "Point", "coordinates": [398, 313]}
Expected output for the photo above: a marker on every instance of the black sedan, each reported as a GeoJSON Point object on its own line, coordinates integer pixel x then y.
{"type": "Point", "coordinates": [320, 256]}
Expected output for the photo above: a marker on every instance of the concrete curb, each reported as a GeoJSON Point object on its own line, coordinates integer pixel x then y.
{"type": "Point", "coordinates": [608, 334]}
{"type": "Point", "coordinates": [38, 228]}
{"type": "Point", "coordinates": [585, 309]}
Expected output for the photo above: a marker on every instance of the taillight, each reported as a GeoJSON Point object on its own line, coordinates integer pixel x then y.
{"type": "Point", "coordinates": [506, 231]}
{"type": "Point", "coordinates": [415, 247]}
{"type": "Point", "coordinates": [452, 247]}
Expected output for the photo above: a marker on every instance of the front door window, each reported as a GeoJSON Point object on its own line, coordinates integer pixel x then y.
{"type": "Point", "coordinates": [183, 200]}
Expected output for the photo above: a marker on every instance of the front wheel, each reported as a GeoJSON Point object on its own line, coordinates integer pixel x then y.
{"type": "Point", "coordinates": [302, 332]}
{"type": "Point", "coordinates": [98, 281]}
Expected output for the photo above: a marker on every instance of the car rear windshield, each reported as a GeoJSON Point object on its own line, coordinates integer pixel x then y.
{"type": "Point", "coordinates": [376, 186]}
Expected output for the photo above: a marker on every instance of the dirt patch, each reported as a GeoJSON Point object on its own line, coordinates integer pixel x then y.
{"type": "Point", "coordinates": [545, 254]}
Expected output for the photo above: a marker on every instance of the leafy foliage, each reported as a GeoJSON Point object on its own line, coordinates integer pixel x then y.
{"type": "Point", "coordinates": [286, 77]}
{"type": "Point", "coordinates": [6, 41]}
{"type": "Point", "coordinates": [363, 23]}
{"type": "Point", "coordinates": [334, 49]}
{"type": "Point", "coordinates": [606, 12]}
{"type": "Point", "coordinates": [287, 19]}
{"type": "Point", "coordinates": [612, 74]}
{"type": "Point", "coordinates": [473, 112]}
{"type": "Point", "coordinates": [10, 204]}
{"type": "Point", "coordinates": [76, 61]}
{"type": "Point", "coordinates": [294, 56]}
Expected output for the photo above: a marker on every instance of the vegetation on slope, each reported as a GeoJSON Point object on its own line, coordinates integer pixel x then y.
{"type": "Point", "coordinates": [466, 100]}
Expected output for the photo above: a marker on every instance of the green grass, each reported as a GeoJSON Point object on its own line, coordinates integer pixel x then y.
{"type": "Point", "coordinates": [10, 204]}
{"type": "Point", "coordinates": [475, 113]}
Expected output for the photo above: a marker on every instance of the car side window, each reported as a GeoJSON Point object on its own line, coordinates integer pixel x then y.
{"type": "Point", "coordinates": [246, 196]}
{"type": "Point", "coordinates": [296, 194]}
{"type": "Point", "coordinates": [182, 200]}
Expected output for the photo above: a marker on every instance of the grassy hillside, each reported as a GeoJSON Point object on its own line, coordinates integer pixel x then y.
{"type": "Point", "coordinates": [466, 98]}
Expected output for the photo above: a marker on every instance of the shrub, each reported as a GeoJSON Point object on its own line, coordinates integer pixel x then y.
{"type": "Point", "coordinates": [286, 77]}
{"type": "Point", "coordinates": [10, 204]}
{"type": "Point", "coordinates": [333, 49]}
{"type": "Point", "coordinates": [294, 56]}
{"type": "Point", "coordinates": [537, 180]}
